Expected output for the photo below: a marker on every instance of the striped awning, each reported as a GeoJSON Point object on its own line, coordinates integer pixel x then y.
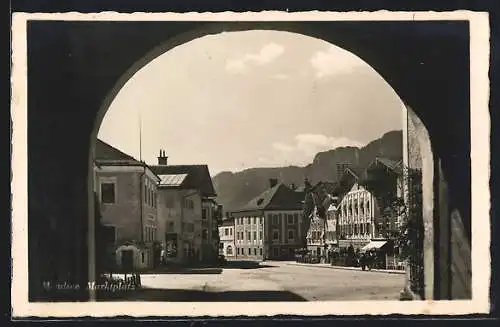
{"type": "Point", "coordinates": [374, 245]}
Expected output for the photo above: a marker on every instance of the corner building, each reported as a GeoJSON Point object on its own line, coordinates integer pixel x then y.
{"type": "Point", "coordinates": [269, 226]}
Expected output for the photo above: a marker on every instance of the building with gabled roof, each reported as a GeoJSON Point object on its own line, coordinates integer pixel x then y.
{"type": "Point", "coordinates": [188, 211]}
{"type": "Point", "coordinates": [269, 226]}
{"type": "Point", "coordinates": [127, 193]}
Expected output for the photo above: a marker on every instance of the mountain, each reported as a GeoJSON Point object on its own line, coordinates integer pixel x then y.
{"type": "Point", "coordinates": [236, 189]}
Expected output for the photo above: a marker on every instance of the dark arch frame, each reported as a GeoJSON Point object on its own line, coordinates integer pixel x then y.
{"type": "Point", "coordinates": [73, 65]}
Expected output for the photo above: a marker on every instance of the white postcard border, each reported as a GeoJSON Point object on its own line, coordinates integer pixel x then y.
{"type": "Point", "coordinates": [480, 154]}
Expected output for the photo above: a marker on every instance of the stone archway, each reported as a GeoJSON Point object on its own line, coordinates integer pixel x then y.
{"type": "Point", "coordinates": [418, 135]}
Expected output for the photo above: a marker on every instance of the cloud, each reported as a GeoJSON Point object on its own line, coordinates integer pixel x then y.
{"type": "Point", "coordinates": [280, 76]}
{"type": "Point", "coordinates": [267, 54]}
{"type": "Point", "coordinates": [303, 149]}
{"type": "Point", "coordinates": [334, 61]}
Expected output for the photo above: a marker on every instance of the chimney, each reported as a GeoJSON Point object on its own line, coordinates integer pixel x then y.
{"type": "Point", "coordinates": [273, 182]}
{"type": "Point", "coordinates": [162, 158]}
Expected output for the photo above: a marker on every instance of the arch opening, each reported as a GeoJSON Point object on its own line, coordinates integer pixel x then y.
{"type": "Point", "coordinates": [422, 150]}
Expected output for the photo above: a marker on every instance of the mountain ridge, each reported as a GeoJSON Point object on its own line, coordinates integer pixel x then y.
{"type": "Point", "coordinates": [235, 189]}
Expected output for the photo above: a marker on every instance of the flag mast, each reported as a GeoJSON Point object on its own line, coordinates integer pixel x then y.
{"type": "Point", "coordinates": [140, 137]}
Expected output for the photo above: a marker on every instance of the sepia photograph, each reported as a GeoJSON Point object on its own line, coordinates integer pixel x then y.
{"type": "Point", "coordinates": [282, 163]}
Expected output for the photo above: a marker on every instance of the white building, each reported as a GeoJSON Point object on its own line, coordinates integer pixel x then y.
{"type": "Point", "coordinates": [226, 234]}
{"type": "Point", "coordinates": [356, 212]}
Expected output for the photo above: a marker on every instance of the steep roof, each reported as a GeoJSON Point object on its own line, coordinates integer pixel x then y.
{"type": "Point", "coordinates": [106, 152]}
{"type": "Point", "coordinates": [227, 222]}
{"type": "Point", "coordinates": [329, 187]}
{"type": "Point", "coordinates": [357, 172]}
{"type": "Point", "coordinates": [193, 177]}
{"type": "Point", "coordinates": [349, 178]}
{"type": "Point", "coordinates": [394, 165]}
{"type": "Point", "coordinates": [278, 197]}
{"type": "Point", "coordinates": [107, 155]}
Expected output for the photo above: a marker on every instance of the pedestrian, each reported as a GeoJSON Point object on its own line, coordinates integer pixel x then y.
{"type": "Point", "coordinates": [362, 261]}
{"type": "Point", "coordinates": [162, 257]}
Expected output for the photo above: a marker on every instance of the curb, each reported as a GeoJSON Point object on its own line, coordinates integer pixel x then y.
{"type": "Point", "coordinates": [397, 272]}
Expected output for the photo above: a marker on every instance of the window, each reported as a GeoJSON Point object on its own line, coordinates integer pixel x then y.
{"type": "Point", "coordinates": [276, 252]}
{"type": "Point", "coordinates": [254, 251]}
{"type": "Point", "coordinates": [275, 220]}
{"type": "Point", "coordinates": [108, 193]}
{"type": "Point", "coordinates": [229, 250]}
{"type": "Point", "coordinates": [260, 235]}
{"type": "Point", "coordinates": [291, 234]}
{"type": "Point", "coordinates": [249, 251]}
{"type": "Point", "coordinates": [249, 236]}
{"type": "Point", "coordinates": [254, 235]}
{"type": "Point", "coordinates": [204, 214]}
{"type": "Point", "coordinates": [145, 194]}
{"type": "Point", "coordinates": [109, 234]}
{"type": "Point", "coordinates": [221, 246]}
{"type": "Point", "coordinates": [260, 250]}
{"type": "Point", "coordinates": [230, 232]}
{"type": "Point", "coordinates": [290, 219]}
{"type": "Point", "coordinates": [169, 202]}
{"type": "Point", "coordinates": [142, 256]}
{"type": "Point", "coordinates": [276, 235]}
{"type": "Point", "coordinates": [237, 250]}
{"type": "Point", "coordinates": [296, 217]}
{"type": "Point", "coordinates": [269, 217]}
{"type": "Point", "coordinates": [226, 231]}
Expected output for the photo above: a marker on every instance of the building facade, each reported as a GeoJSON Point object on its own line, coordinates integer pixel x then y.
{"type": "Point", "coordinates": [188, 213]}
{"type": "Point", "coordinates": [269, 226]}
{"type": "Point", "coordinates": [357, 212]}
{"type": "Point", "coordinates": [226, 233]}
{"type": "Point", "coordinates": [127, 193]}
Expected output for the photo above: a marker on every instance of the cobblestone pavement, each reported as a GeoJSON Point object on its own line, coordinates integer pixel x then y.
{"type": "Point", "coordinates": [271, 281]}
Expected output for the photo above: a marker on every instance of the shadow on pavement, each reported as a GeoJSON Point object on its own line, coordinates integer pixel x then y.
{"type": "Point", "coordinates": [234, 264]}
{"type": "Point", "coordinates": [186, 271]}
{"type": "Point", "coordinates": [179, 295]}
{"type": "Point", "coordinates": [208, 270]}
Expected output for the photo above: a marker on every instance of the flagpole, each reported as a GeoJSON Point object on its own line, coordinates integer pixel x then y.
{"type": "Point", "coordinates": [140, 137]}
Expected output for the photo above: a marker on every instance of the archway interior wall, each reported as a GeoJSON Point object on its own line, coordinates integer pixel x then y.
{"type": "Point", "coordinates": [419, 156]}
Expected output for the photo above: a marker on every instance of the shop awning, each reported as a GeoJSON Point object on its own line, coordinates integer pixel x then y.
{"type": "Point", "coordinates": [373, 245]}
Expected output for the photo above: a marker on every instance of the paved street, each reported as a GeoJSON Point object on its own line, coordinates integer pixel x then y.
{"type": "Point", "coordinates": [271, 281]}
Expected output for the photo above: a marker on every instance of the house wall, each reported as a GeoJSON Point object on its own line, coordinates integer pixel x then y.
{"type": "Point", "coordinates": [331, 226]}
{"type": "Point", "coordinates": [250, 236]}
{"type": "Point", "coordinates": [226, 233]}
{"type": "Point", "coordinates": [278, 221]}
{"type": "Point", "coordinates": [366, 220]}
{"type": "Point", "coordinates": [124, 214]}
{"type": "Point", "coordinates": [172, 205]}
{"type": "Point", "coordinates": [209, 228]}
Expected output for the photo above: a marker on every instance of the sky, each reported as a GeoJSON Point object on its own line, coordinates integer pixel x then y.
{"type": "Point", "coordinates": [238, 100]}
